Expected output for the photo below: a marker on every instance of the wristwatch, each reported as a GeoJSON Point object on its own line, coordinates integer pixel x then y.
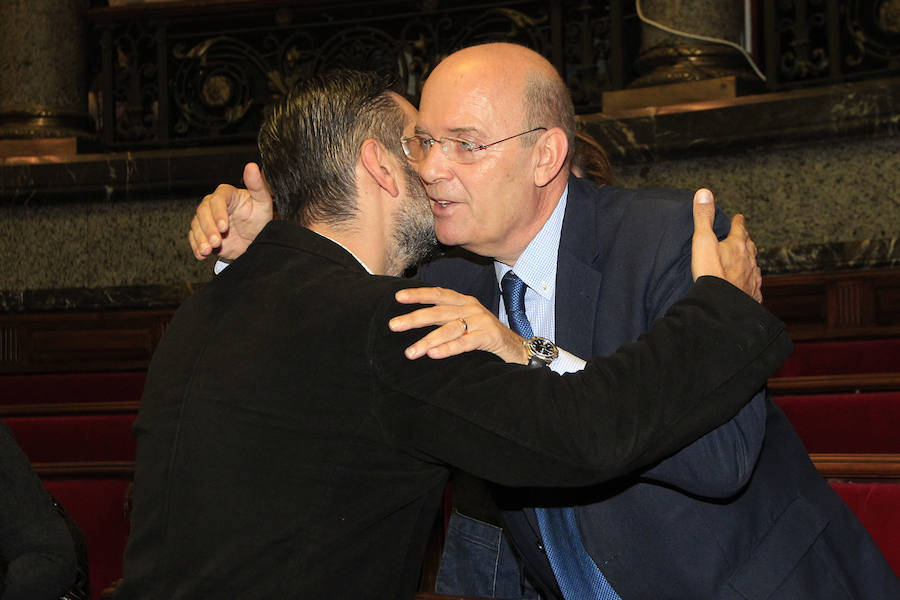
{"type": "Point", "coordinates": [540, 351]}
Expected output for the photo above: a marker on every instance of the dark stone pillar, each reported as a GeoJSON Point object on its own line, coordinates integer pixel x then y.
{"type": "Point", "coordinates": [668, 58]}
{"type": "Point", "coordinates": [42, 69]}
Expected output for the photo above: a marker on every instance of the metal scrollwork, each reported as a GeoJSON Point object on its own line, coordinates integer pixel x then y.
{"type": "Point", "coordinates": [365, 48]}
{"type": "Point", "coordinates": [223, 71]}
{"type": "Point", "coordinates": [508, 25]}
{"type": "Point", "coordinates": [292, 59]}
{"type": "Point", "coordinates": [874, 28]}
{"type": "Point", "coordinates": [803, 40]}
{"type": "Point", "coordinates": [586, 52]}
{"type": "Point", "coordinates": [135, 89]}
{"type": "Point", "coordinates": [221, 84]}
{"type": "Point", "coordinates": [213, 84]}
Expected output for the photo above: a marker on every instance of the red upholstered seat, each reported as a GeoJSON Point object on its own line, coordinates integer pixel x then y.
{"type": "Point", "coordinates": [75, 438]}
{"type": "Point", "coordinates": [832, 358]}
{"type": "Point", "coordinates": [76, 428]}
{"type": "Point", "coordinates": [877, 505]}
{"type": "Point", "coordinates": [859, 423]}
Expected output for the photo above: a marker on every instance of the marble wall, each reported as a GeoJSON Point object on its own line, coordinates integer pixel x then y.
{"type": "Point", "coordinates": [106, 230]}
{"type": "Point", "coordinates": [97, 244]}
{"type": "Point", "coordinates": [842, 195]}
{"type": "Point", "coordinates": [812, 206]}
{"type": "Point", "coordinates": [840, 192]}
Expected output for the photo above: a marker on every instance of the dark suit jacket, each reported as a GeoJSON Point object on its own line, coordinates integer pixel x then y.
{"type": "Point", "coordinates": [288, 449]}
{"type": "Point", "coordinates": [742, 513]}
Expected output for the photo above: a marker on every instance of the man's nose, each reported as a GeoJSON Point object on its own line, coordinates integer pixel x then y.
{"type": "Point", "coordinates": [435, 165]}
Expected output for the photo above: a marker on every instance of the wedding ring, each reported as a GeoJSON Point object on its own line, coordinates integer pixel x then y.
{"type": "Point", "coordinates": [464, 324]}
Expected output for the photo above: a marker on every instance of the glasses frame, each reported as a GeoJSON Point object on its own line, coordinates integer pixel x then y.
{"type": "Point", "coordinates": [442, 142]}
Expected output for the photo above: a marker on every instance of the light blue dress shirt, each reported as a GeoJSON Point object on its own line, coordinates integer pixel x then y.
{"type": "Point", "coordinates": [536, 266]}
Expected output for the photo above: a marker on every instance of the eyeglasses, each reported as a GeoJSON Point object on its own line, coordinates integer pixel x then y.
{"type": "Point", "coordinates": [458, 150]}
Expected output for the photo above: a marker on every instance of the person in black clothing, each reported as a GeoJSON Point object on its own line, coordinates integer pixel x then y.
{"type": "Point", "coordinates": [37, 551]}
{"type": "Point", "coordinates": [286, 446]}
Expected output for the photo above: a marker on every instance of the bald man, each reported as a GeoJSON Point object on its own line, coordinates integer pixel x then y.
{"type": "Point", "coordinates": [306, 457]}
{"type": "Point", "coordinates": [741, 512]}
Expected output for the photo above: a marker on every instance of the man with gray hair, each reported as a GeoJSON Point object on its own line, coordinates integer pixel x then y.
{"type": "Point", "coordinates": [742, 512]}
{"type": "Point", "coordinates": [288, 449]}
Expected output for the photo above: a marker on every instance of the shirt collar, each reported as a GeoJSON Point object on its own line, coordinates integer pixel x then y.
{"type": "Point", "coordinates": [536, 266]}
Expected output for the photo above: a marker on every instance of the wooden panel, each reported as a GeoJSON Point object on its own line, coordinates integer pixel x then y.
{"type": "Point", "coordinates": [889, 302]}
{"type": "Point", "coordinates": [797, 307]}
{"type": "Point", "coordinates": [53, 346]}
{"type": "Point", "coordinates": [851, 303]}
{"type": "Point", "coordinates": [80, 342]}
{"type": "Point", "coordinates": [9, 344]}
{"type": "Point", "coordinates": [838, 304]}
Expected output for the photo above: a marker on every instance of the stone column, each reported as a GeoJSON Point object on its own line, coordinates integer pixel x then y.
{"type": "Point", "coordinates": [667, 58]}
{"type": "Point", "coordinates": [42, 69]}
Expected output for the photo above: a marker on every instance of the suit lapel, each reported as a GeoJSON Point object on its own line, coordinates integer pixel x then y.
{"type": "Point", "coordinates": [578, 278]}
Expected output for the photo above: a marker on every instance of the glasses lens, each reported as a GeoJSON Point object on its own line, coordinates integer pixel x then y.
{"type": "Point", "coordinates": [421, 146]}
{"type": "Point", "coordinates": [417, 148]}
{"type": "Point", "coordinates": [411, 147]}
{"type": "Point", "coordinates": [461, 151]}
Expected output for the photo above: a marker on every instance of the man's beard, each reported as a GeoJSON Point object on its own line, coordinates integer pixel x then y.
{"type": "Point", "coordinates": [413, 234]}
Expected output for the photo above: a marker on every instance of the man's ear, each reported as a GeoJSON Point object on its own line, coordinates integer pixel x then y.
{"type": "Point", "coordinates": [376, 160]}
{"type": "Point", "coordinates": [552, 149]}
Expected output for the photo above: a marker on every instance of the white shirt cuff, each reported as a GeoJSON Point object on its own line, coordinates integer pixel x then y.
{"type": "Point", "coordinates": [221, 265]}
{"type": "Point", "coordinates": [567, 363]}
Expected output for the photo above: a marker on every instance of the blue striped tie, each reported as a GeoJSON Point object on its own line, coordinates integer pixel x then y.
{"type": "Point", "coordinates": [575, 571]}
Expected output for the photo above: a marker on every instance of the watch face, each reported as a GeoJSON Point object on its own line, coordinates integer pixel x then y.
{"type": "Point", "coordinates": [543, 349]}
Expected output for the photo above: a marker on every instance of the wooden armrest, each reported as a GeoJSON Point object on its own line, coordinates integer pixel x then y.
{"type": "Point", "coordinates": [870, 467]}
{"type": "Point", "coordinates": [816, 384]}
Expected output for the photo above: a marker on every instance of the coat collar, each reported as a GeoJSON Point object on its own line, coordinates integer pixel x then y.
{"type": "Point", "coordinates": [293, 235]}
{"type": "Point", "coordinates": [578, 274]}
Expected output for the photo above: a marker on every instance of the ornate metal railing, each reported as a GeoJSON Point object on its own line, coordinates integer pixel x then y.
{"type": "Point", "coordinates": [205, 77]}
{"type": "Point", "coordinates": [165, 77]}
{"type": "Point", "coordinates": [811, 42]}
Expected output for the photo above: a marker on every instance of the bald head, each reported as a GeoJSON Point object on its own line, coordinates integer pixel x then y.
{"type": "Point", "coordinates": [511, 105]}
{"type": "Point", "coordinates": [517, 83]}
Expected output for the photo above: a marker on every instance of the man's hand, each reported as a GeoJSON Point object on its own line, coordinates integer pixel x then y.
{"type": "Point", "coordinates": [464, 325]}
{"type": "Point", "coordinates": [738, 254]}
{"type": "Point", "coordinates": [230, 218]}
{"type": "Point", "coordinates": [732, 259]}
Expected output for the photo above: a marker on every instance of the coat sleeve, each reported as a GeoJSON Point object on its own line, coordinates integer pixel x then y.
{"type": "Point", "coordinates": [516, 426]}
{"type": "Point", "coordinates": [720, 463]}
